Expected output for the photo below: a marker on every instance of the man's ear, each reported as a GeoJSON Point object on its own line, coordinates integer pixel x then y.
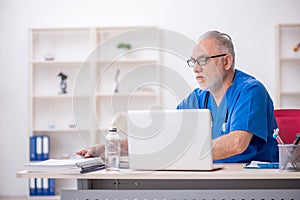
{"type": "Point", "coordinates": [227, 61]}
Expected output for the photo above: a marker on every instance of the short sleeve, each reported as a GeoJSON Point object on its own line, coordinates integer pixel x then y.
{"type": "Point", "coordinates": [250, 112]}
{"type": "Point", "coordinates": [190, 102]}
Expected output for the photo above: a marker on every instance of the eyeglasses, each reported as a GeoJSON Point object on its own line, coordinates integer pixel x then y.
{"type": "Point", "coordinates": [201, 60]}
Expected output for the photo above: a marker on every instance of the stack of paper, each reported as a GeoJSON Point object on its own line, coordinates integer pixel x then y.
{"type": "Point", "coordinates": [66, 165]}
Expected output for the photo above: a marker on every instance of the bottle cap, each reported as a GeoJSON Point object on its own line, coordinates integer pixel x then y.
{"type": "Point", "coordinates": [112, 129]}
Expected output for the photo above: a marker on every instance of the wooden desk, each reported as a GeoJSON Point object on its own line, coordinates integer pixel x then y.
{"type": "Point", "coordinates": [233, 177]}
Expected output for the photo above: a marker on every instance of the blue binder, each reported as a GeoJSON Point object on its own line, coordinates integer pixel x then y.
{"type": "Point", "coordinates": [32, 156]}
{"type": "Point", "coordinates": [51, 186]}
{"type": "Point", "coordinates": [39, 147]}
{"type": "Point", "coordinates": [39, 151]}
{"type": "Point", "coordinates": [45, 147]}
{"type": "Point", "coordinates": [39, 187]}
{"type": "Point", "coordinates": [32, 187]}
{"type": "Point", "coordinates": [45, 186]}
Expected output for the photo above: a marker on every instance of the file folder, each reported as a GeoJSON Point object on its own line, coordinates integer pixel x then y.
{"type": "Point", "coordinates": [41, 187]}
{"type": "Point", "coordinates": [39, 190]}
{"type": "Point", "coordinates": [45, 186]}
{"type": "Point", "coordinates": [45, 146]}
{"type": "Point", "coordinates": [51, 186]}
{"type": "Point", "coordinates": [39, 145]}
{"type": "Point", "coordinates": [32, 188]}
{"type": "Point", "coordinates": [33, 148]}
{"type": "Point", "coordinates": [39, 148]}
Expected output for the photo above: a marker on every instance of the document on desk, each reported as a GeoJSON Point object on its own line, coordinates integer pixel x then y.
{"type": "Point", "coordinates": [262, 165]}
{"type": "Point", "coordinates": [64, 165]}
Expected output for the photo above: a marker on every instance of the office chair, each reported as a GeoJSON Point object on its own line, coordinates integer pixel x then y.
{"type": "Point", "coordinates": [288, 122]}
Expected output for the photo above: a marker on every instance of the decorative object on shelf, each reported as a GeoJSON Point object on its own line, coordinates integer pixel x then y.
{"type": "Point", "coordinates": [51, 124]}
{"type": "Point", "coordinates": [72, 124]}
{"type": "Point", "coordinates": [296, 47]}
{"type": "Point", "coordinates": [123, 45]}
{"type": "Point", "coordinates": [117, 81]}
{"type": "Point", "coordinates": [63, 83]}
{"type": "Point", "coordinates": [49, 57]}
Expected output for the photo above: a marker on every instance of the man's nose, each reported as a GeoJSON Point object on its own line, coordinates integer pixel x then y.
{"type": "Point", "coordinates": [197, 68]}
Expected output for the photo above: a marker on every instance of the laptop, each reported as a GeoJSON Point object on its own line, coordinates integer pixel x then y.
{"type": "Point", "coordinates": [170, 139]}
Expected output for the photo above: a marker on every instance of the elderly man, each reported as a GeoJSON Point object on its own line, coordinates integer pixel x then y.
{"type": "Point", "coordinates": [242, 110]}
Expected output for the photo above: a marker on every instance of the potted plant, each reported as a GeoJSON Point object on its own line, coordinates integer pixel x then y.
{"type": "Point", "coordinates": [125, 46]}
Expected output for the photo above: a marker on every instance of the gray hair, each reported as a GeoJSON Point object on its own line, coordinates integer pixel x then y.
{"type": "Point", "coordinates": [223, 42]}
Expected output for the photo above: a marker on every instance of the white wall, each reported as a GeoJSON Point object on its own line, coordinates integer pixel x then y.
{"type": "Point", "coordinates": [250, 23]}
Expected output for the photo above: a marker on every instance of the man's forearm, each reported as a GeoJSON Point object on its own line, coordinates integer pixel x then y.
{"type": "Point", "coordinates": [231, 144]}
{"type": "Point", "coordinates": [124, 147]}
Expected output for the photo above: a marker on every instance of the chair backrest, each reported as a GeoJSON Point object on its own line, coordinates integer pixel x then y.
{"type": "Point", "coordinates": [288, 122]}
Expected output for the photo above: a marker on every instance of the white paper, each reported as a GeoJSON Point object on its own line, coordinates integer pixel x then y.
{"type": "Point", "coordinates": [62, 165]}
{"type": "Point", "coordinates": [254, 164]}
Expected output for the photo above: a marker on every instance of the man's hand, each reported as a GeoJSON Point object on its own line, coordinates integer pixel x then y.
{"type": "Point", "coordinates": [94, 151]}
{"type": "Point", "coordinates": [99, 150]}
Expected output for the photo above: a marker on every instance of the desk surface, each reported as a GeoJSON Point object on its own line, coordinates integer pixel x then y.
{"type": "Point", "coordinates": [230, 171]}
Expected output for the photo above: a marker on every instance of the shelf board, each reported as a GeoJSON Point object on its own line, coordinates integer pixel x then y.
{"type": "Point", "coordinates": [290, 59]}
{"type": "Point", "coordinates": [79, 63]}
{"type": "Point", "coordinates": [56, 130]}
{"type": "Point", "coordinates": [111, 28]}
{"type": "Point", "coordinates": [290, 93]}
{"type": "Point", "coordinates": [141, 94]}
{"type": "Point", "coordinates": [123, 60]}
{"type": "Point", "coordinates": [128, 60]}
{"type": "Point", "coordinates": [57, 96]}
{"type": "Point", "coordinates": [58, 29]}
{"type": "Point", "coordinates": [51, 96]}
{"type": "Point", "coordinates": [62, 62]}
{"type": "Point", "coordinates": [289, 25]}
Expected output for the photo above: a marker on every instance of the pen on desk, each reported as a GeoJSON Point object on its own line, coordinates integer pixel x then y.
{"type": "Point", "coordinates": [277, 137]}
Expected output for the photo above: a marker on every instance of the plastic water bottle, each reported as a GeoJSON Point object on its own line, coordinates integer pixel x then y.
{"type": "Point", "coordinates": [112, 150]}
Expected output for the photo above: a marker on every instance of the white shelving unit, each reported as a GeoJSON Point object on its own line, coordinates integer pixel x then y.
{"type": "Point", "coordinates": [288, 66]}
{"type": "Point", "coordinates": [91, 60]}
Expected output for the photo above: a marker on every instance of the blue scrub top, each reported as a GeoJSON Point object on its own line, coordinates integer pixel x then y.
{"type": "Point", "coordinates": [250, 108]}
